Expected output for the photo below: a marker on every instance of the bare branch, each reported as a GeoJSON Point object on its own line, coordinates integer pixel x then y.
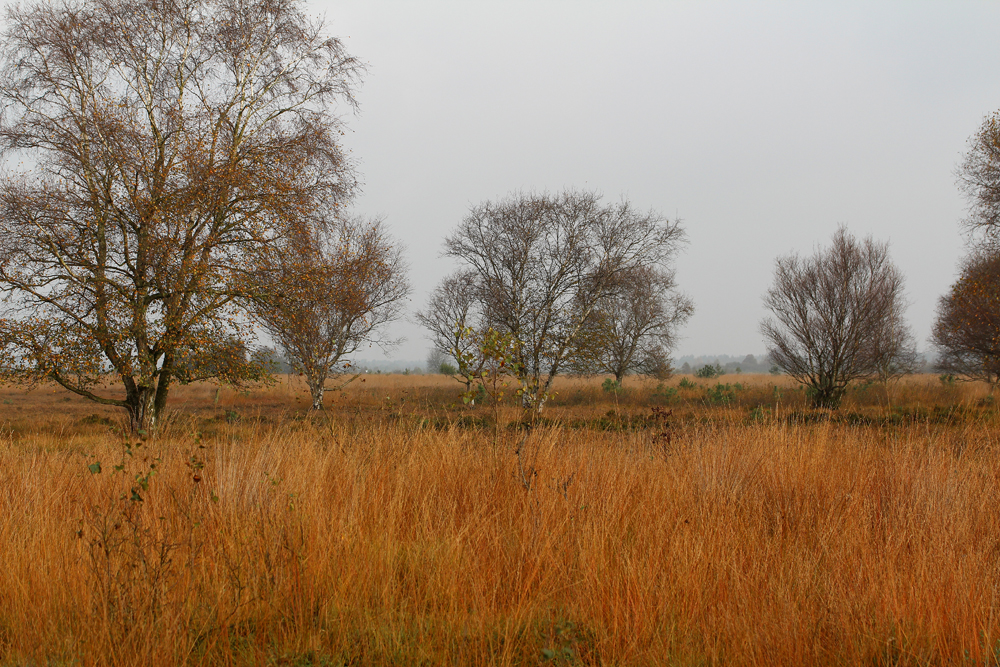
{"type": "Point", "coordinates": [322, 297]}
{"type": "Point", "coordinates": [544, 262]}
{"type": "Point", "coordinates": [837, 317]}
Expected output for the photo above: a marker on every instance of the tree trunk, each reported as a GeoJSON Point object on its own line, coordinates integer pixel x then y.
{"type": "Point", "coordinates": [317, 396]}
{"type": "Point", "coordinates": [827, 395]}
{"type": "Point", "coordinates": [529, 391]}
{"type": "Point", "coordinates": [142, 410]}
{"type": "Point", "coordinates": [535, 394]}
{"type": "Point", "coordinates": [163, 380]}
{"type": "Point", "coordinates": [316, 379]}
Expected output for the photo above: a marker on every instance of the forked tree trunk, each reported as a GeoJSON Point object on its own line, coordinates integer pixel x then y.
{"type": "Point", "coordinates": [142, 410]}
{"type": "Point", "coordinates": [145, 404]}
{"type": "Point", "coordinates": [828, 395]}
{"type": "Point", "coordinates": [527, 395]}
{"type": "Point", "coordinates": [534, 394]}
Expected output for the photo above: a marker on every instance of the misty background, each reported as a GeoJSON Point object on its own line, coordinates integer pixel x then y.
{"type": "Point", "coordinates": [763, 126]}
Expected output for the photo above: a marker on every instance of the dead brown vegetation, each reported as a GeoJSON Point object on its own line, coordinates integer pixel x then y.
{"type": "Point", "coordinates": [400, 529]}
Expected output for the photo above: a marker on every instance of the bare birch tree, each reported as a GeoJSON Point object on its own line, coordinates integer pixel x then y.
{"type": "Point", "coordinates": [836, 316]}
{"type": "Point", "coordinates": [633, 329]}
{"type": "Point", "coordinates": [154, 150]}
{"type": "Point", "coordinates": [452, 313]}
{"type": "Point", "coordinates": [543, 264]}
{"type": "Point", "coordinates": [894, 350]}
{"type": "Point", "coordinates": [326, 296]}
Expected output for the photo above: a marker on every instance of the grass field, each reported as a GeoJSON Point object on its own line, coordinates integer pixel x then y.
{"type": "Point", "coordinates": [719, 523]}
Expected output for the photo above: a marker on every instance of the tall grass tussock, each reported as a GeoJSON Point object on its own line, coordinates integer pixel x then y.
{"type": "Point", "coordinates": [699, 526]}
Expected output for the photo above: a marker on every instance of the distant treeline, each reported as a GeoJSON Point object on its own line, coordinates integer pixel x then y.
{"type": "Point", "coordinates": [687, 364]}
{"type": "Point", "coordinates": [754, 363]}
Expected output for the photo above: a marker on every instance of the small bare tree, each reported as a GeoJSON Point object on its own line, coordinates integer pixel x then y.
{"type": "Point", "coordinates": [967, 330]}
{"type": "Point", "coordinates": [894, 351]}
{"type": "Point", "coordinates": [156, 149]}
{"type": "Point", "coordinates": [452, 312]}
{"type": "Point", "coordinates": [327, 295]}
{"type": "Point", "coordinates": [633, 329]}
{"type": "Point", "coordinates": [837, 316]}
{"type": "Point", "coordinates": [544, 262]}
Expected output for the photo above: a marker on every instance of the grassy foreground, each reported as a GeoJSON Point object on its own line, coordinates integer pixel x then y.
{"type": "Point", "coordinates": [406, 530]}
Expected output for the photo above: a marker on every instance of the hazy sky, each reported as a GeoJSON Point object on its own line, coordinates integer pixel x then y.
{"type": "Point", "coordinates": [763, 126]}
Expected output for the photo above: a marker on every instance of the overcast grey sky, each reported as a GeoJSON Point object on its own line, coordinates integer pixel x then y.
{"type": "Point", "coordinates": [762, 125]}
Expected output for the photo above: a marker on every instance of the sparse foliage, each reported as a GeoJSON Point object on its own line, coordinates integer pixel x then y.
{"type": "Point", "coordinates": [543, 263]}
{"type": "Point", "coordinates": [894, 350]}
{"type": "Point", "coordinates": [157, 150]}
{"type": "Point", "coordinates": [979, 180]}
{"type": "Point", "coordinates": [453, 311]}
{"type": "Point", "coordinates": [967, 330]}
{"type": "Point", "coordinates": [837, 317]}
{"type": "Point", "coordinates": [633, 328]}
{"type": "Point", "coordinates": [327, 295]}
{"type": "Point", "coordinates": [496, 361]}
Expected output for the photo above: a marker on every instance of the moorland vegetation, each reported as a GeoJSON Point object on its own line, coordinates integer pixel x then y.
{"type": "Point", "coordinates": [686, 522]}
{"type": "Point", "coordinates": [176, 185]}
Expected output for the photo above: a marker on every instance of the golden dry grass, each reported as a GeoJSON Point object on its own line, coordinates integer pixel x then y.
{"type": "Point", "coordinates": [395, 532]}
